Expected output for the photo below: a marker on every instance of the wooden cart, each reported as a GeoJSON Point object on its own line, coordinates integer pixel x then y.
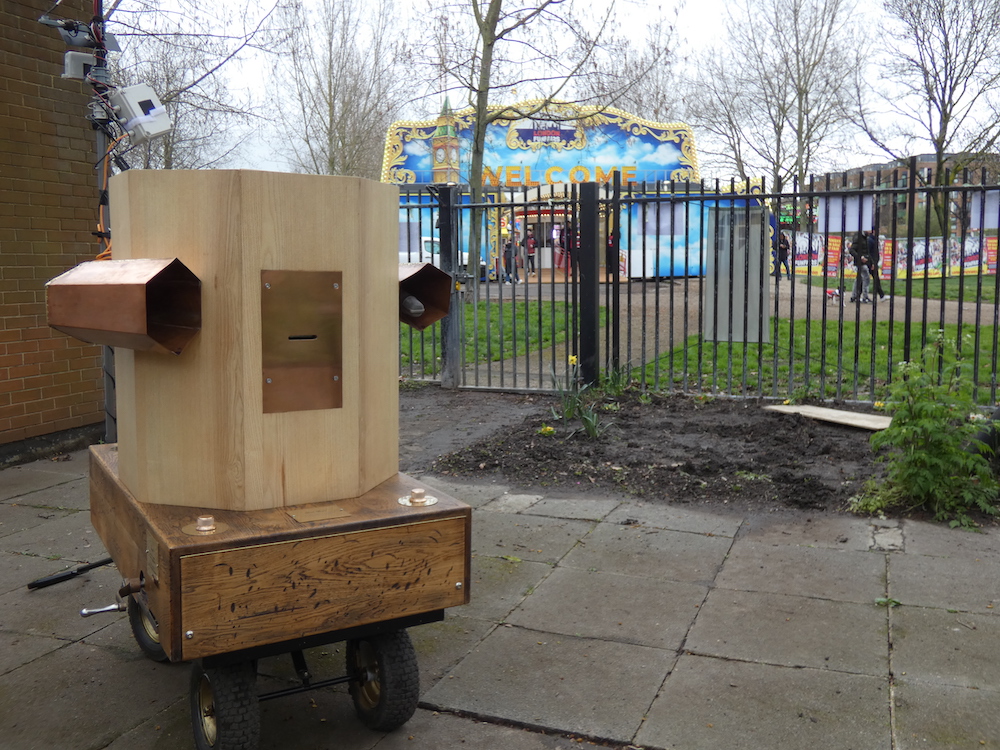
{"type": "Point", "coordinates": [359, 570]}
{"type": "Point", "coordinates": [253, 503]}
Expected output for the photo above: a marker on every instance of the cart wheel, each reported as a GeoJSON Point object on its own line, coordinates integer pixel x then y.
{"type": "Point", "coordinates": [385, 679]}
{"type": "Point", "coordinates": [225, 711]}
{"type": "Point", "coordinates": [145, 630]}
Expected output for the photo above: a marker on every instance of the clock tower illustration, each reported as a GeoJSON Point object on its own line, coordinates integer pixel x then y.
{"type": "Point", "coordinates": [444, 147]}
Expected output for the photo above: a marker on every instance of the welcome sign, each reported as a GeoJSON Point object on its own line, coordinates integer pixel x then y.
{"type": "Point", "coordinates": [561, 143]}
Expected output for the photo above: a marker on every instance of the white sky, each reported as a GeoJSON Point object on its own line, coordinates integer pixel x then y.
{"type": "Point", "coordinates": [700, 27]}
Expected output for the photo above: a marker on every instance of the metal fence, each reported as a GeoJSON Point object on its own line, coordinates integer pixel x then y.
{"type": "Point", "coordinates": [677, 286]}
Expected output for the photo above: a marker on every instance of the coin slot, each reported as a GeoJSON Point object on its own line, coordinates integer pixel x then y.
{"type": "Point", "coordinates": [304, 337]}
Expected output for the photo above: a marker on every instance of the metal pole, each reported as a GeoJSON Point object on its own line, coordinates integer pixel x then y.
{"type": "Point", "coordinates": [614, 255]}
{"type": "Point", "coordinates": [451, 351]}
{"type": "Point", "coordinates": [911, 206]}
{"type": "Point", "coordinates": [589, 269]}
{"type": "Point", "coordinates": [99, 80]}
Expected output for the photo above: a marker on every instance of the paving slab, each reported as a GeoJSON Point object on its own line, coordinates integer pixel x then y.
{"type": "Point", "coordinates": [834, 532]}
{"type": "Point", "coordinates": [73, 493]}
{"type": "Point", "coordinates": [511, 503]}
{"type": "Point", "coordinates": [651, 553]}
{"type": "Point", "coordinates": [19, 481]}
{"type": "Point", "coordinates": [955, 648]}
{"type": "Point", "coordinates": [331, 724]}
{"type": "Point", "coordinates": [16, 571]}
{"type": "Point", "coordinates": [663, 516]}
{"type": "Point", "coordinates": [430, 730]}
{"type": "Point", "coordinates": [613, 607]}
{"type": "Point", "coordinates": [66, 537]}
{"type": "Point", "coordinates": [586, 509]}
{"type": "Point", "coordinates": [499, 585]}
{"type": "Point", "coordinates": [593, 687]}
{"type": "Point", "coordinates": [168, 729]}
{"type": "Point", "coordinates": [82, 697]}
{"type": "Point", "coordinates": [55, 611]}
{"type": "Point", "coordinates": [15, 518]}
{"type": "Point", "coordinates": [843, 575]}
{"type": "Point", "coordinates": [930, 716]}
{"type": "Point", "coordinates": [525, 537]}
{"type": "Point", "coordinates": [442, 645]}
{"type": "Point", "coordinates": [18, 649]}
{"type": "Point", "coordinates": [473, 494]}
{"type": "Point", "coordinates": [969, 584]}
{"type": "Point", "coordinates": [793, 631]}
{"type": "Point", "coordinates": [715, 703]}
{"type": "Point", "coordinates": [938, 540]}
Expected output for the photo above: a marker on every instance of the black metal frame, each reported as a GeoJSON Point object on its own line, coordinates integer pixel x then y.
{"type": "Point", "coordinates": [648, 318]}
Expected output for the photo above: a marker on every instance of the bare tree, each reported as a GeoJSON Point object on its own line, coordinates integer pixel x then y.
{"type": "Point", "coordinates": [181, 54]}
{"type": "Point", "coordinates": [781, 99]}
{"type": "Point", "coordinates": [496, 55]}
{"type": "Point", "coordinates": [344, 66]}
{"type": "Point", "coordinates": [636, 71]}
{"type": "Point", "coordinates": [941, 81]}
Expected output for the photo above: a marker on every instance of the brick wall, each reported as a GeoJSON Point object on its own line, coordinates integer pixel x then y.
{"type": "Point", "coordinates": [48, 208]}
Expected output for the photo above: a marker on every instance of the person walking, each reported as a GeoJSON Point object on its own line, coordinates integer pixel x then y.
{"type": "Point", "coordinates": [529, 248]}
{"type": "Point", "coordinates": [784, 249]}
{"type": "Point", "coordinates": [510, 261]}
{"type": "Point", "coordinates": [873, 263]}
{"type": "Point", "coordinates": [862, 282]}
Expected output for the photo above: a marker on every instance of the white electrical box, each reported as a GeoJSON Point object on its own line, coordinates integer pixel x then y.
{"type": "Point", "coordinates": [141, 112]}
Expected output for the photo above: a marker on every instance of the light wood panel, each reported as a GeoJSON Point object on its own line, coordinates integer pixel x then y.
{"type": "Point", "coordinates": [192, 430]}
{"type": "Point", "coordinates": [873, 422]}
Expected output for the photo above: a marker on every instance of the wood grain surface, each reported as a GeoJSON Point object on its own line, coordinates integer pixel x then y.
{"type": "Point", "coordinates": [192, 430]}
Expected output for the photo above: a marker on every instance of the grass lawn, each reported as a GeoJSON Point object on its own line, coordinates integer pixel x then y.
{"type": "Point", "coordinates": [968, 287]}
{"type": "Point", "coordinates": [804, 361]}
{"type": "Point", "coordinates": [494, 330]}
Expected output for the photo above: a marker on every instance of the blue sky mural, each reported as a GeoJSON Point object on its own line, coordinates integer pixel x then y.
{"type": "Point", "coordinates": [562, 144]}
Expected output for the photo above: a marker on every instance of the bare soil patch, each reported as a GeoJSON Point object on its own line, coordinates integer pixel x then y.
{"type": "Point", "coordinates": [720, 452]}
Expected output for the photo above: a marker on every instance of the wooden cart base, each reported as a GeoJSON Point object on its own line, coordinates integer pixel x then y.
{"type": "Point", "coordinates": [278, 575]}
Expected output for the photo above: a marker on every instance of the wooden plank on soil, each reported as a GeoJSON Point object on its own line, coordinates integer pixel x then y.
{"type": "Point", "coordinates": [873, 422]}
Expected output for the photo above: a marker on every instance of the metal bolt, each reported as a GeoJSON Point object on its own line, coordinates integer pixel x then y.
{"type": "Point", "coordinates": [336, 286]}
{"type": "Point", "coordinates": [205, 523]}
{"type": "Point", "coordinates": [418, 496]}
{"type": "Point", "coordinates": [267, 285]}
{"type": "Point", "coordinates": [458, 585]}
{"type": "Point", "coordinates": [336, 378]}
{"type": "Point", "coordinates": [268, 380]}
{"type": "Point", "coordinates": [189, 635]}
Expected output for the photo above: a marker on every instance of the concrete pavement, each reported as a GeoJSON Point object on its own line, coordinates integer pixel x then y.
{"type": "Point", "coordinates": [606, 621]}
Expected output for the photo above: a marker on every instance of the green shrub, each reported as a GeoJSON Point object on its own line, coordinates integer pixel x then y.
{"type": "Point", "coordinates": [933, 460]}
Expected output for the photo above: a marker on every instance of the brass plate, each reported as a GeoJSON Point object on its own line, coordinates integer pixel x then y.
{"type": "Point", "coordinates": [308, 515]}
{"type": "Point", "coordinates": [301, 315]}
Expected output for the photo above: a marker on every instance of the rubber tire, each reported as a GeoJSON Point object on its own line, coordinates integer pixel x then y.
{"type": "Point", "coordinates": [144, 632]}
{"type": "Point", "coordinates": [385, 679]}
{"type": "Point", "coordinates": [226, 716]}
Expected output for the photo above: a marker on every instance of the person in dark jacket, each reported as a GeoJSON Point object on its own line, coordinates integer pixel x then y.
{"type": "Point", "coordinates": [862, 282]}
{"type": "Point", "coordinates": [873, 263]}
{"type": "Point", "coordinates": [784, 248]}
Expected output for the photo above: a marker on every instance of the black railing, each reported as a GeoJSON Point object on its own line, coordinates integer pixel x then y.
{"type": "Point", "coordinates": [678, 283]}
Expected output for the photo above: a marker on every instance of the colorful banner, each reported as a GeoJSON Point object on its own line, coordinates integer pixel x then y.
{"type": "Point", "coordinates": [560, 143]}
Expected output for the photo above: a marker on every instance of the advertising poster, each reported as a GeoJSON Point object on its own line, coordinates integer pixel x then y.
{"type": "Point", "coordinates": [834, 247]}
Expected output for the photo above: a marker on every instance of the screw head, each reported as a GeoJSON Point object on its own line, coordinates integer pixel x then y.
{"type": "Point", "coordinates": [189, 634]}
{"type": "Point", "coordinates": [458, 585]}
